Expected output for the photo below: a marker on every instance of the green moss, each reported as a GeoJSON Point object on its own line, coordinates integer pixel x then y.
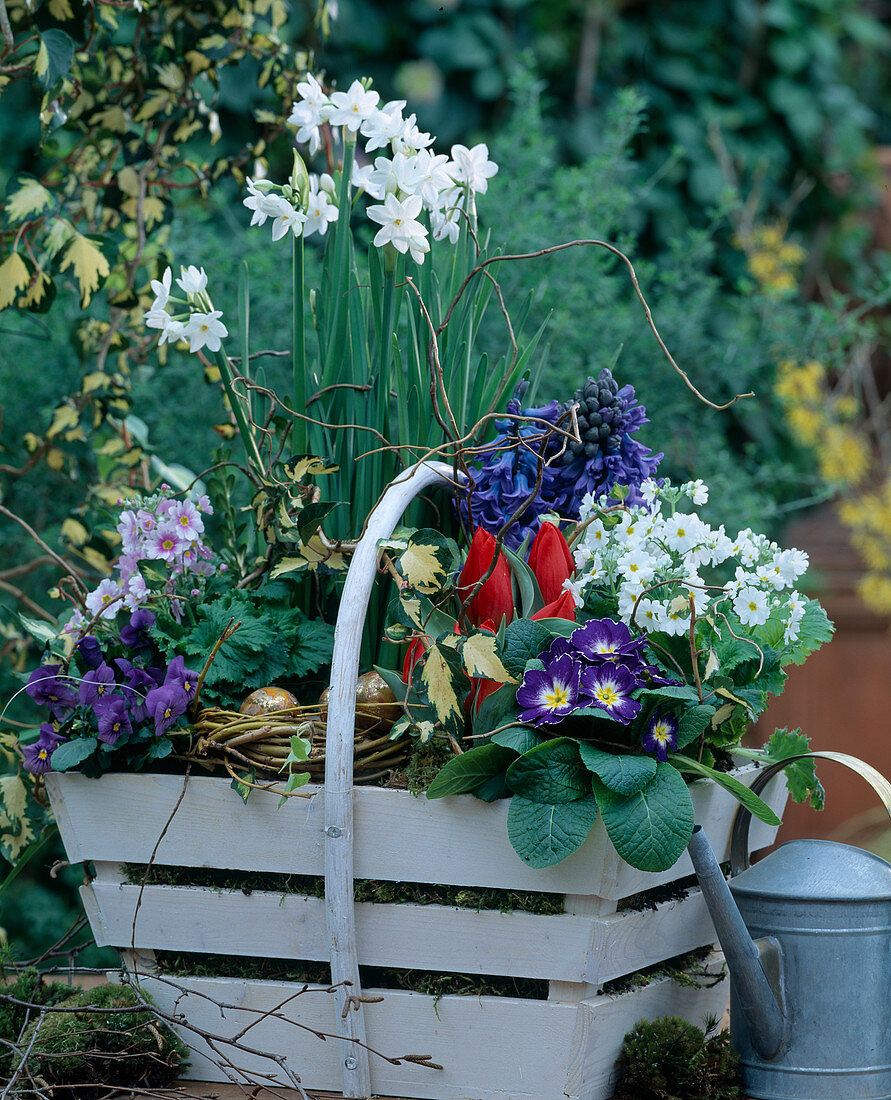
{"type": "Point", "coordinates": [184, 964]}
{"type": "Point", "coordinates": [689, 969]}
{"type": "Point", "coordinates": [28, 986]}
{"type": "Point", "coordinates": [463, 897]}
{"type": "Point", "coordinates": [85, 1052]}
{"type": "Point", "coordinates": [671, 1059]}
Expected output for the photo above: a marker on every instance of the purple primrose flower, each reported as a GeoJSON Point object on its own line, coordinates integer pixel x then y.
{"type": "Point", "coordinates": [605, 639]}
{"type": "Point", "coordinates": [661, 734]}
{"type": "Point", "coordinates": [548, 695]}
{"type": "Point", "coordinates": [609, 687]}
{"type": "Point", "coordinates": [47, 688]}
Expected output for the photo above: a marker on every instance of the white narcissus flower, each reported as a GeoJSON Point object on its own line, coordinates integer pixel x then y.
{"type": "Point", "coordinates": [751, 606]}
{"type": "Point", "coordinates": [427, 175]}
{"type": "Point", "coordinates": [161, 290]}
{"type": "Point", "coordinates": [399, 226]}
{"type": "Point", "coordinates": [320, 211]}
{"type": "Point", "coordinates": [262, 203]}
{"type": "Point", "coordinates": [472, 167]}
{"type": "Point", "coordinates": [288, 219]}
{"type": "Point", "coordinates": [173, 332]}
{"type": "Point", "coordinates": [411, 139]}
{"type": "Point", "coordinates": [383, 126]}
{"type": "Point", "coordinates": [192, 280]}
{"type": "Point", "coordinates": [156, 318]}
{"type": "Point", "coordinates": [351, 108]}
{"type": "Point", "coordinates": [205, 330]}
{"type": "Point", "coordinates": [445, 225]}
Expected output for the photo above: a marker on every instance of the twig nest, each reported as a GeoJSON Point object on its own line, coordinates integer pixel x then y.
{"type": "Point", "coordinates": [267, 700]}
{"type": "Point", "coordinates": [376, 705]}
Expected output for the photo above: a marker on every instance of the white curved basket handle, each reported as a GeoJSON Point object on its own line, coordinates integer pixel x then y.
{"type": "Point", "coordinates": [357, 588]}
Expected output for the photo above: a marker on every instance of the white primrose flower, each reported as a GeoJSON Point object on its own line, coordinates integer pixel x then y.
{"type": "Point", "coordinates": [650, 614]}
{"type": "Point", "coordinates": [472, 167]}
{"type": "Point", "coordinates": [104, 600]}
{"type": "Point", "coordinates": [683, 533]}
{"type": "Point", "coordinates": [205, 330]}
{"type": "Point", "coordinates": [383, 126]}
{"type": "Point", "coordinates": [399, 226]}
{"type": "Point", "coordinates": [789, 565]}
{"type": "Point", "coordinates": [350, 109]}
{"type": "Point", "coordinates": [192, 280]}
{"type": "Point", "coordinates": [750, 604]}
{"type": "Point", "coordinates": [795, 606]}
{"type": "Point", "coordinates": [637, 565]}
{"type": "Point", "coordinates": [697, 491]}
{"type": "Point", "coordinates": [648, 490]}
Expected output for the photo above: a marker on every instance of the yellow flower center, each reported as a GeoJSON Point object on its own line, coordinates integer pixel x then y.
{"type": "Point", "coordinates": [607, 695]}
{"type": "Point", "coordinates": [43, 754]}
{"type": "Point", "coordinates": [558, 696]}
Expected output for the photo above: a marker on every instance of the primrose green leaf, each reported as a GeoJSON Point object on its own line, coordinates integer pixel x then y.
{"type": "Point", "coordinates": [518, 738]}
{"type": "Point", "coordinates": [624, 773]}
{"type": "Point", "coordinates": [523, 640]}
{"type": "Point", "coordinates": [497, 709]}
{"type": "Point", "coordinates": [650, 829]}
{"type": "Point", "coordinates": [72, 753]}
{"type": "Point", "coordinates": [493, 789]}
{"type": "Point", "coordinates": [801, 777]}
{"type": "Point", "coordinates": [814, 629]}
{"type": "Point", "coordinates": [694, 722]}
{"type": "Point", "coordinates": [739, 790]}
{"type": "Point", "coordinates": [551, 772]}
{"type": "Point", "coordinates": [544, 834]}
{"type": "Point", "coordinates": [468, 771]}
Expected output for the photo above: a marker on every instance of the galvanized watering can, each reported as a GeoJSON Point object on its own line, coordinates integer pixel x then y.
{"type": "Point", "coordinates": [807, 938]}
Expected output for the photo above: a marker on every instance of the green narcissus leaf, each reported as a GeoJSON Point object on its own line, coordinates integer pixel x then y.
{"type": "Point", "coordinates": [624, 773]}
{"type": "Point", "coordinates": [470, 770]}
{"type": "Point", "coordinates": [550, 772]}
{"type": "Point", "coordinates": [649, 829]}
{"type": "Point", "coordinates": [739, 790]}
{"type": "Point", "coordinates": [543, 834]}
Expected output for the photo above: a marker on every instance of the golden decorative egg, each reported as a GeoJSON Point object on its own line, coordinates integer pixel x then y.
{"type": "Point", "coordinates": [267, 700]}
{"type": "Point", "coordinates": [376, 706]}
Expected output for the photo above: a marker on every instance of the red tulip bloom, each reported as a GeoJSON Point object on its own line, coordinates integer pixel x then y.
{"type": "Point", "coordinates": [551, 561]}
{"type": "Point", "coordinates": [495, 600]}
{"type": "Point", "coordinates": [416, 650]}
{"type": "Point", "coordinates": [561, 608]}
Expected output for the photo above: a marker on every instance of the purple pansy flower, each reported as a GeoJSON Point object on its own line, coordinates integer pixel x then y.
{"type": "Point", "coordinates": [47, 688]}
{"type": "Point", "coordinates": [90, 651]}
{"type": "Point", "coordinates": [135, 635]}
{"type": "Point", "coordinates": [95, 684]}
{"type": "Point", "coordinates": [38, 756]}
{"type": "Point", "coordinates": [661, 734]}
{"type": "Point", "coordinates": [180, 676]}
{"type": "Point", "coordinates": [165, 704]}
{"type": "Point", "coordinates": [139, 683]}
{"type": "Point", "coordinates": [549, 695]}
{"type": "Point", "coordinates": [605, 639]}
{"type": "Point", "coordinates": [609, 687]}
{"type": "Point", "coordinates": [111, 712]}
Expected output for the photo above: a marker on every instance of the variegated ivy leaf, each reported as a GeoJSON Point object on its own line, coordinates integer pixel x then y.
{"type": "Point", "coordinates": [8, 742]}
{"type": "Point", "coordinates": [300, 467]}
{"type": "Point", "coordinates": [418, 615]}
{"type": "Point", "coordinates": [428, 562]}
{"type": "Point", "coordinates": [481, 656]}
{"type": "Point", "coordinates": [15, 276]}
{"type": "Point", "coordinates": [441, 682]}
{"type": "Point", "coordinates": [89, 259]}
{"type": "Point", "coordinates": [26, 199]}
{"type": "Point", "coordinates": [18, 827]}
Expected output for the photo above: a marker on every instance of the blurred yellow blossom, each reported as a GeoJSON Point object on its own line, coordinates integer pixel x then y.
{"type": "Point", "coordinates": [844, 455]}
{"type": "Point", "coordinates": [773, 262]}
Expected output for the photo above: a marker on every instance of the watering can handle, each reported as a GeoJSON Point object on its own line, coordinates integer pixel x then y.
{"type": "Point", "coordinates": [739, 839]}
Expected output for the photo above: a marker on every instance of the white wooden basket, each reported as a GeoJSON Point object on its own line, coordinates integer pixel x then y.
{"type": "Point", "coordinates": [489, 1047]}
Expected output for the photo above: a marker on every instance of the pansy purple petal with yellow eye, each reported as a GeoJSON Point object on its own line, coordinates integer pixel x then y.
{"type": "Point", "coordinates": [661, 734]}
{"type": "Point", "coordinates": [549, 695]}
{"type": "Point", "coordinates": [609, 686]}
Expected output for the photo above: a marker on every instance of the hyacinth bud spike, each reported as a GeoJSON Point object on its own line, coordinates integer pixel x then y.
{"type": "Point", "coordinates": [551, 561]}
{"type": "Point", "coordinates": [495, 599]}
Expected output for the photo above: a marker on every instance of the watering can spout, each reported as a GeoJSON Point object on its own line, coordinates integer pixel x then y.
{"type": "Point", "coordinates": [754, 965]}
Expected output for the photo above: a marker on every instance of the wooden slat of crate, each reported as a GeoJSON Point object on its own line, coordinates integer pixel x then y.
{"type": "Point", "coordinates": [412, 937]}
{"type": "Point", "coordinates": [491, 1048]}
{"type": "Point", "coordinates": [456, 841]}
